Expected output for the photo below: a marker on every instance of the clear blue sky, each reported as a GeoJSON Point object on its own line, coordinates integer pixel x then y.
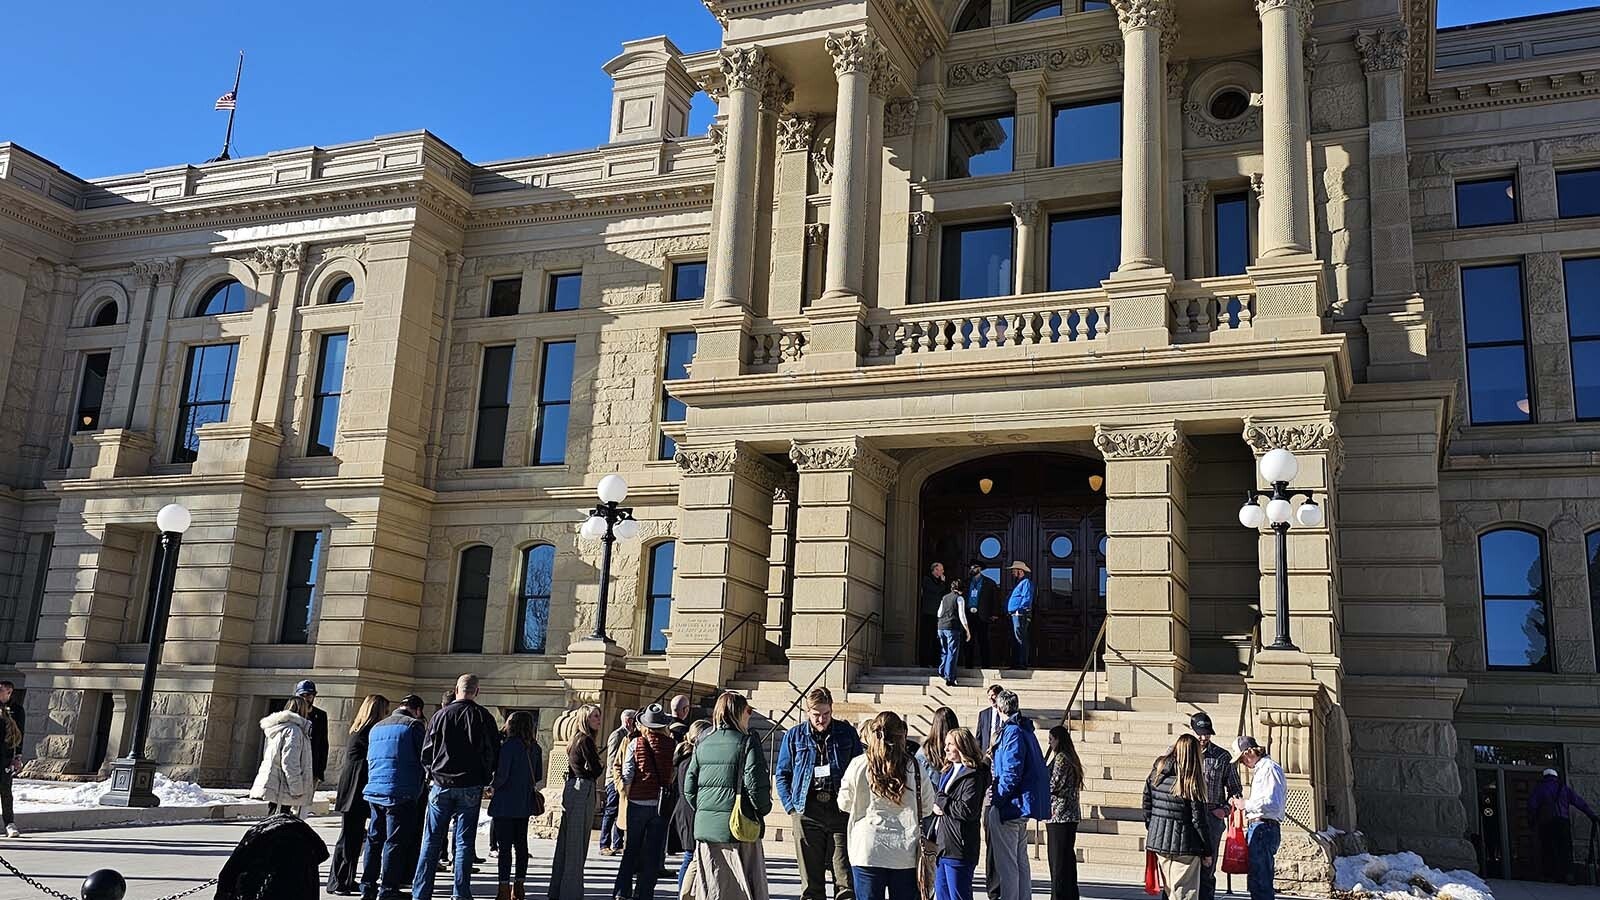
{"type": "Point", "coordinates": [105, 87]}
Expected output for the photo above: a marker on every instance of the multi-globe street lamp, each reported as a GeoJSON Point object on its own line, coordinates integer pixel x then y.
{"type": "Point", "coordinates": [607, 522]}
{"type": "Point", "coordinates": [1278, 467]}
{"type": "Point", "coordinates": [133, 776]}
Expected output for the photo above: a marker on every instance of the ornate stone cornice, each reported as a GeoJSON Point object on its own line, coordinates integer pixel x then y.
{"type": "Point", "coordinates": [1302, 10]}
{"type": "Point", "coordinates": [854, 52]}
{"type": "Point", "coordinates": [1025, 212]}
{"type": "Point", "coordinates": [279, 258]}
{"type": "Point", "coordinates": [743, 68]}
{"type": "Point", "coordinates": [711, 82]}
{"type": "Point", "coordinates": [796, 132]}
{"type": "Point", "coordinates": [1420, 21]}
{"type": "Point", "coordinates": [736, 460]}
{"type": "Point", "coordinates": [900, 116]}
{"type": "Point", "coordinates": [717, 9]}
{"type": "Point", "coordinates": [1140, 442]}
{"type": "Point", "coordinates": [1107, 53]}
{"type": "Point", "coordinates": [662, 199]}
{"type": "Point", "coordinates": [848, 455]}
{"type": "Point", "coordinates": [816, 233]}
{"type": "Point", "coordinates": [155, 271]}
{"type": "Point", "coordinates": [919, 33]}
{"type": "Point", "coordinates": [1196, 193]}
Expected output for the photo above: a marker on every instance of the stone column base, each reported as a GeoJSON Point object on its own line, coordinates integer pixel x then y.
{"type": "Point", "coordinates": [1304, 864]}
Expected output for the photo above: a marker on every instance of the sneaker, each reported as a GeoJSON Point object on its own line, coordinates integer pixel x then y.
{"type": "Point", "coordinates": [11, 831]}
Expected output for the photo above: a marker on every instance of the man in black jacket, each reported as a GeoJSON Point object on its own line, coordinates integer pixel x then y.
{"type": "Point", "coordinates": [319, 730]}
{"type": "Point", "coordinates": [983, 599]}
{"type": "Point", "coordinates": [459, 754]}
{"type": "Point", "coordinates": [934, 587]}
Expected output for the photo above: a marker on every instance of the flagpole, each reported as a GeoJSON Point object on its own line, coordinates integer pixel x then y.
{"type": "Point", "coordinates": [227, 139]}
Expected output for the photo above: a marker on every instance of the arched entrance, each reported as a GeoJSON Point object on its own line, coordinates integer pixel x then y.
{"type": "Point", "coordinates": [1046, 509]}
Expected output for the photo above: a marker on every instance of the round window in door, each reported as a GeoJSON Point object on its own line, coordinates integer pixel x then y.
{"type": "Point", "coordinates": [1100, 563]}
{"type": "Point", "coordinates": [990, 548]}
{"type": "Point", "coordinates": [1061, 566]}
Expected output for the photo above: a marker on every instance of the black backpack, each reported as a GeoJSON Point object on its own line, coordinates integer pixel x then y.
{"type": "Point", "coordinates": [277, 859]}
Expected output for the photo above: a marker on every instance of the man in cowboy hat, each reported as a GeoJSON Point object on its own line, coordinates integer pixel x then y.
{"type": "Point", "coordinates": [648, 778]}
{"type": "Point", "coordinates": [1020, 608]}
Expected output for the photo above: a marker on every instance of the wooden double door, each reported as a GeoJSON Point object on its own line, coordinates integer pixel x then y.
{"type": "Point", "coordinates": [1042, 510]}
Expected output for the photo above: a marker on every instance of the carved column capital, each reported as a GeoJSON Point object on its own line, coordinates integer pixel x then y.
{"type": "Point", "coordinates": [1297, 436]}
{"type": "Point", "coordinates": [1132, 14]}
{"type": "Point", "coordinates": [1196, 193]}
{"type": "Point", "coordinates": [1301, 10]}
{"type": "Point", "coordinates": [1383, 49]}
{"type": "Point", "coordinates": [854, 52]}
{"type": "Point", "coordinates": [743, 68]}
{"type": "Point", "coordinates": [1161, 441]}
{"type": "Point", "coordinates": [848, 455]}
{"type": "Point", "coordinates": [1025, 212]}
{"type": "Point", "coordinates": [796, 132]}
{"type": "Point", "coordinates": [886, 77]}
{"type": "Point", "coordinates": [718, 134]}
{"type": "Point", "coordinates": [735, 460]}
{"type": "Point", "coordinates": [817, 233]}
{"type": "Point", "coordinates": [278, 258]}
{"type": "Point", "coordinates": [921, 223]}
{"type": "Point", "coordinates": [1258, 184]}
{"type": "Point", "coordinates": [1177, 74]}
{"type": "Point", "coordinates": [900, 117]}
{"type": "Point", "coordinates": [777, 93]}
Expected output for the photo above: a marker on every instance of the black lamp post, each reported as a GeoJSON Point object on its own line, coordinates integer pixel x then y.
{"type": "Point", "coordinates": [133, 776]}
{"type": "Point", "coordinates": [607, 522]}
{"type": "Point", "coordinates": [1278, 468]}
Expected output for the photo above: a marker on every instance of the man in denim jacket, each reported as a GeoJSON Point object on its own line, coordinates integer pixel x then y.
{"type": "Point", "coordinates": [811, 763]}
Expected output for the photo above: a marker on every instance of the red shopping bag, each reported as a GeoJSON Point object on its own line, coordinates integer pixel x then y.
{"type": "Point", "coordinates": [1235, 848]}
{"type": "Point", "coordinates": [1152, 875]}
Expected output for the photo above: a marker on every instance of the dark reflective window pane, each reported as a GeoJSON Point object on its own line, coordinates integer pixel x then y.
{"type": "Point", "coordinates": [565, 291]}
{"type": "Point", "coordinates": [1586, 378]}
{"type": "Point", "coordinates": [1515, 618]}
{"type": "Point", "coordinates": [1583, 296]}
{"type": "Point", "coordinates": [555, 399]}
{"type": "Point", "coordinates": [494, 406]}
{"type": "Point", "coordinates": [1517, 633]}
{"type": "Point", "coordinates": [689, 281]}
{"type": "Point", "coordinates": [1087, 133]}
{"type": "Point", "coordinates": [1511, 563]}
{"type": "Point", "coordinates": [1092, 5]}
{"type": "Point", "coordinates": [1497, 362]}
{"type": "Point", "coordinates": [92, 391]}
{"type": "Point", "coordinates": [975, 16]}
{"type": "Point", "coordinates": [472, 600]}
{"type": "Point", "coordinates": [658, 608]}
{"type": "Point", "coordinates": [1084, 248]}
{"type": "Point", "coordinates": [1034, 10]}
{"type": "Point", "coordinates": [1492, 296]}
{"type": "Point", "coordinates": [1497, 385]}
{"type": "Point", "coordinates": [227, 297]}
{"type": "Point", "coordinates": [1061, 579]}
{"type": "Point", "coordinates": [105, 315]}
{"type": "Point", "coordinates": [300, 590]}
{"type": "Point", "coordinates": [342, 291]}
{"type": "Point", "coordinates": [1593, 540]}
{"type": "Point", "coordinates": [1233, 233]}
{"type": "Point", "coordinates": [505, 296]}
{"type": "Point", "coordinates": [1491, 201]}
{"type": "Point", "coordinates": [538, 571]}
{"type": "Point", "coordinates": [329, 389]}
{"type": "Point", "coordinates": [680, 351]}
{"type": "Point", "coordinates": [1578, 193]}
{"type": "Point", "coordinates": [976, 261]}
{"type": "Point", "coordinates": [208, 386]}
{"type": "Point", "coordinates": [980, 145]}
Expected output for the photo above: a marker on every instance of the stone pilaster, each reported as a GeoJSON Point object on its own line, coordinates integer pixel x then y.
{"type": "Point", "coordinates": [1285, 127]}
{"type": "Point", "coordinates": [1026, 215]}
{"type": "Point", "coordinates": [1148, 467]}
{"type": "Point", "coordinates": [1173, 209]}
{"type": "Point", "coordinates": [149, 347]}
{"type": "Point", "coordinates": [780, 566]}
{"type": "Point", "coordinates": [1032, 120]}
{"type": "Point", "coordinates": [1196, 194]}
{"type": "Point", "coordinates": [1146, 28]}
{"type": "Point", "coordinates": [725, 538]}
{"type": "Point", "coordinates": [594, 672]}
{"type": "Point", "coordinates": [920, 225]}
{"type": "Point", "coordinates": [796, 136]}
{"type": "Point", "coordinates": [839, 566]}
{"type": "Point", "coordinates": [283, 262]}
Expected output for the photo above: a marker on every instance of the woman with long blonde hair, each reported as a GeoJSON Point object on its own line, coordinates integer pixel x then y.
{"type": "Point", "coordinates": [958, 815]}
{"type": "Point", "coordinates": [1175, 813]}
{"type": "Point", "coordinates": [885, 795]}
{"type": "Point", "coordinates": [348, 801]}
{"type": "Point", "coordinates": [577, 804]}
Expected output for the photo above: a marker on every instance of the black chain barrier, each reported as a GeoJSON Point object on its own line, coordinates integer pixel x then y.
{"type": "Point", "coordinates": [105, 884]}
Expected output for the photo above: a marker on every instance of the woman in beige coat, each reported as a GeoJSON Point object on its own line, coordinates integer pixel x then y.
{"type": "Point", "coordinates": [285, 778]}
{"type": "Point", "coordinates": [886, 794]}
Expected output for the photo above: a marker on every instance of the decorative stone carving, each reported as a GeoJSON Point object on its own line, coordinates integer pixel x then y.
{"type": "Point", "coordinates": [796, 133]}
{"type": "Point", "coordinates": [921, 224]}
{"type": "Point", "coordinates": [156, 270]}
{"type": "Point", "coordinates": [854, 52]}
{"type": "Point", "coordinates": [886, 78]}
{"type": "Point", "coordinates": [713, 85]}
{"type": "Point", "coordinates": [348, 251]}
{"type": "Point", "coordinates": [1258, 183]}
{"type": "Point", "coordinates": [1104, 53]}
{"type": "Point", "coordinates": [822, 161]}
{"type": "Point", "coordinates": [1133, 14]}
{"type": "Point", "coordinates": [1196, 193]}
{"type": "Point", "coordinates": [717, 8]}
{"type": "Point", "coordinates": [1025, 212]}
{"type": "Point", "coordinates": [816, 234]}
{"type": "Point", "coordinates": [279, 258]}
{"type": "Point", "coordinates": [1384, 49]}
{"type": "Point", "coordinates": [1137, 443]}
{"type": "Point", "coordinates": [718, 134]}
{"type": "Point", "coordinates": [900, 117]}
{"type": "Point", "coordinates": [734, 460]}
{"type": "Point", "coordinates": [1304, 435]}
{"type": "Point", "coordinates": [851, 454]}
{"type": "Point", "coordinates": [1201, 123]}
{"type": "Point", "coordinates": [777, 93]}
{"type": "Point", "coordinates": [1302, 10]}
{"type": "Point", "coordinates": [917, 31]}
{"type": "Point", "coordinates": [1177, 74]}
{"type": "Point", "coordinates": [744, 68]}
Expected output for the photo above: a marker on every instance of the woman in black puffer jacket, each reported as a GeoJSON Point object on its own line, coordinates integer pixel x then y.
{"type": "Point", "coordinates": [1175, 819]}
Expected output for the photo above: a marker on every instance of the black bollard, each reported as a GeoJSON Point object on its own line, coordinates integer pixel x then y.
{"type": "Point", "coordinates": [104, 884]}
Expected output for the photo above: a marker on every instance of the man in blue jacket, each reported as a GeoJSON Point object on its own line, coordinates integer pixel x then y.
{"type": "Point", "coordinates": [811, 764]}
{"type": "Point", "coordinates": [394, 785]}
{"type": "Point", "coordinates": [1020, 608]}
{"type": "Point", "coordinates": [1021, 792]}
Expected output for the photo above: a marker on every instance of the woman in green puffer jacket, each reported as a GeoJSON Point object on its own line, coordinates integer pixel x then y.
{"type": "Point", "coordinates": [728, 766]}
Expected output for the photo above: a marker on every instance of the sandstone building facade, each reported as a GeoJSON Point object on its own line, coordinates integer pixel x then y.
{"type": "Point", "coordinates": [979, 280]}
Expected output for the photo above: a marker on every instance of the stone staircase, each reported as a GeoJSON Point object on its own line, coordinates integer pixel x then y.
{"type": "Point", "coordinates": [1117, 740]}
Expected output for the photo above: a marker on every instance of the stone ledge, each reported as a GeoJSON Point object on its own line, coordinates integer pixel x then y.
{"type": "Point", "coordinates": [108, 816]}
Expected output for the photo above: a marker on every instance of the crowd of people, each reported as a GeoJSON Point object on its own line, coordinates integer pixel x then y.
{"type": "Point", "coordinates": [957, 617]}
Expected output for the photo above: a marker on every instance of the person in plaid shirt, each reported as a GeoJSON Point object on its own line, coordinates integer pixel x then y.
{"type": "Point", "coordinates": [1222, 785]}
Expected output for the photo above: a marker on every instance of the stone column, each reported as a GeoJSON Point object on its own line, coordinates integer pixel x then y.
{"type": "Point", "coordinates": [746, 73]}
{"type": "Point", "coordinates": [1173, 191]}
{"type": "Point", "coordinates": [280, 266]}
{"type": "Point", "coordinates": [1148, 467]}
{"type": "Point", "coordinates": [856, 56]}
{"type": "Point", "coordinates": [816, 260]}
{"type": "Point", "coordinates": [1026, 214]}
{"type": "Point", "coordinates": [1147, 30]}
{"type": "Point", "coordinates": [780, 566]}
{"type": "Point", "coordinates": [725, 538]}
{"type": "Point", "coordinates": [1195, 195]}
{"type": "Point", "coordinates": [144, 386]}
{"type": "Point", "coordinates": [1285, 128]}
{"type": "Point", "coordinates": [839, 567]}
{"type": "Point", "coordinates": [921, 226]}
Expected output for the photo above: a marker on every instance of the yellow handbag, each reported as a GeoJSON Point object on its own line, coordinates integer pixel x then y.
{"type": "Point", "coordinates": [744, 829]}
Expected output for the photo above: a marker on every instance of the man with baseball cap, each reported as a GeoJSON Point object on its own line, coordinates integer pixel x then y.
{"type": "Point", "coordinates": [1263, 812]}
{"type": "Point", "coordinates": [1550, 806]}
{"type": "Point", "coordinates": [319, 729]}
{"type": "Point", "coordinates": [1222, 785]}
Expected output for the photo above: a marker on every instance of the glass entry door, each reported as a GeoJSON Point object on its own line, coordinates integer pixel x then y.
{"type": "Point", "coordinates": [1506, 774]}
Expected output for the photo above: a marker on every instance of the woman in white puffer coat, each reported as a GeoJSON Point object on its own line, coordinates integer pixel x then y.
{"type": "Point", "coordinates": [285, 777]}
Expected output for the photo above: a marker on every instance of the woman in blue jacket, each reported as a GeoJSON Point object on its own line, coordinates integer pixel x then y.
{"type": "Point", "coordinates": [516, 777]}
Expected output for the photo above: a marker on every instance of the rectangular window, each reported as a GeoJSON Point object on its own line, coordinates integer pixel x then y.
{"type": "Point", "coordinates": [325, 400]}
{"type": "Point", "coordinates": [689, 280]}
{"type": "Point", "coordinates": [1489, 201]}
{"type": "Point", "coordinates": [658, 606]}
{"type": "Point", "coordinates": [1583, 331]}
{"type": "Point", "coordinates": [1497, 345]}
{"type": "Point", "coordinates": [300, 589]}
{"type": "Point", "coordinates": [1578, 193]}
{"type": "Point", "coordinates": [1084, 248]}
{"type": "Point", "coordinates": [494, 406]}
{"type": "Point", "coordinates": [505, 296]}
{"type": "Point", "coordinates": [92, 391]}
{"type": "Point", "coordinates": [565, 291]}
{"type": "Point", "coordinates": [1232, 222]}
{"type": "Point", "coordinates": [980, 145]}
{"type": "Point", "coordinates": [44, 545]}
{"type": "Point", "coordinates": [680, 350]}
{"type": "Point", "coordinates": [1087, 133]}
{"type": "Point", "coordinates": [975, 261]}
{"type": "Point", "coordinates": [555, 404]}
{"type": "Point", "coordinates": [147, 618]}
{"type": "Point", "coordinates": [533, 620]}
{"type": "Point", "coordinates": [472, 600]}
{"type": "Point", "coordinates": [207, 387]}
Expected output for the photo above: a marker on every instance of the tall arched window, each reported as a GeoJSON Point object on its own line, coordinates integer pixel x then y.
{"type": "Point", "coordinates": [533, 608]}
{"type": "Point", "coordinates": [105, 314]}
{"type": "Point", "coordinates": [658, 605]}
{"type": "Point", "coordinates": [225, 297]}
{"type": "Point", "coordinates": [975, 16]}
{"type": "Point", "coordinates": [1516, 609]}
{"type": "Point", "coordinates": [472, 600]}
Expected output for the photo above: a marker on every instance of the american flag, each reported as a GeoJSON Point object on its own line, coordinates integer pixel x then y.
{"type": "Point", "coordinates": [226, 101]}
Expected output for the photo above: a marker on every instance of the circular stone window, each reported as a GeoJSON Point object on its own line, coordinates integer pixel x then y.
{"type": "Point", "coordinates": [1228, 104]}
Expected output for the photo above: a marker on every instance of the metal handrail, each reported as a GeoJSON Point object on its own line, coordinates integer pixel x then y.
{"type": "Point", "coordinates": [1249, 669]}
{"type": "Point", "coordinates": [703, 657]}
{"type": "Point", "coordinates": [800, 695]}
{"type": "Point", "coordinates": [1093, 662]}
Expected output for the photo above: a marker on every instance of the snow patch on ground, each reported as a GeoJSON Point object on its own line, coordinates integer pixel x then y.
{"type": "Point", "coordinates": [46, 796]}
{"type": "Point", "coordinates": [1402, 876]}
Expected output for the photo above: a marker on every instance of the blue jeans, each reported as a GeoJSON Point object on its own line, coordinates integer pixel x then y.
{"type": "Point", "coordinates": [949, 647]}
{"type": "Point", "coordinates": [1019, 634]}
{"type": "Point", "coordinates": [683, 867]}
{"type": "Point", "coordinates": [877, 883]}
{"type": "Point", "coordinates": [445, 804]}
{"type": "Point", "coordinates": [610, 834]}
{"type": "Point", "coordinates": [644, 851]}
{"type": "Point", "coordinates": [387, 829]}
{"type": "Point", "coordinates": [952, 880]}
{"type": "Point", "coordinates": [1263, 837]}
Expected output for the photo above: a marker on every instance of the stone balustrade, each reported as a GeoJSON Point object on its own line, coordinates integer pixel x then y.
{"type": "Point", "coordinates": [779, 347]}
{"type": "Point", "coordinates": [1203, 308]}
{"type": "Point", "coordinates": [998, 326]}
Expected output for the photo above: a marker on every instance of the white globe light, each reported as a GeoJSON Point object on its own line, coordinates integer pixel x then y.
{"type": "Point", "coordinates": [594, 528]}
{"type": "Point", "coordinates": [612, 489]}
{"type": "Point", "coordinates": [1278, 511]}
{"type": "Point", "coordinates": [1279, 465]}
{"type": "Point", "coordinates": [627, 529]}
{"type": "Point", "coordinates": [1251, 515]}
{"type": "Point", "coordinates": [174, 518]}
{"type": "Point", "coordinates": [1309, 514]}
